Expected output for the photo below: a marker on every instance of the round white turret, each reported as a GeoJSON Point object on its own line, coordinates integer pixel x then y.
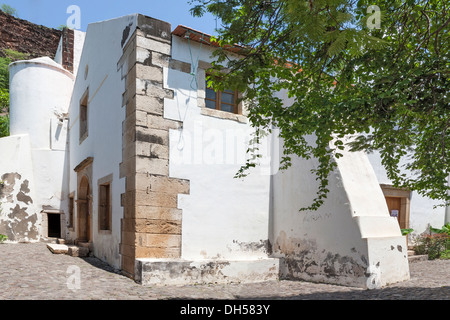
{"type": "Point", "coordinates": [40, 90]}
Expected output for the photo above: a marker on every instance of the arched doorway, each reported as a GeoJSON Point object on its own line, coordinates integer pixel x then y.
{"type": "Point", "coordinates": [84, 210]}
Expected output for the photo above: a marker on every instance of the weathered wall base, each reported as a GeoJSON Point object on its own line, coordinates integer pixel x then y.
{"type": "Point", "coordinates": [385, 263]}
{"type": "Point", "coordinates": [184, 272]}
{"type": "Point", "coordinates": [388, 258]}
{"type": "Point", "coordinates": [322, 266]}
{"type": "Point", "coordinates": [19, 218]}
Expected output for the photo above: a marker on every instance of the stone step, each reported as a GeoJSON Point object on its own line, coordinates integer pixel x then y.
{"type": "Point", "coordinates": [80, 250]}
{"type": "Point", "coordinates": [415, 258]}
{"type": "Point", "coordinates": [88, 245]}
{"type": "Point", "coordinates": [58, 248]}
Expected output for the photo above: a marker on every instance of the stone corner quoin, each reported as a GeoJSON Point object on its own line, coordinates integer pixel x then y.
{"type": "Point", "coordinates": [151, 227]}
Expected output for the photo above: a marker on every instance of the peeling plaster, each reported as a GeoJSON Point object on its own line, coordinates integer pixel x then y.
{"type": "Point", "coordinates": [22, 197]}
{"type": "Point", "coordinates": [7, 189]}
{"type": "Point", "coordinates": [20, 224]}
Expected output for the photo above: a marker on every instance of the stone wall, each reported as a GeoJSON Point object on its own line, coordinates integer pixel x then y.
{"type": "Point", "coordinates": [151, 227]}
{"type": "Point", "coordinates": [26, 37]}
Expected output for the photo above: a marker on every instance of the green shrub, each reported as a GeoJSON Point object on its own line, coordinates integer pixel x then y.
{"type": "Point", "coordinates": [4, 72]}
{"type": "Point", "coordinates": [445, 254]}
{"type": "Point", "coordinates": [406, 231]}
{"type": "Point", "coordinates": [3, 238]}
{"type": "Point", "coordinates": [4, 126]}
{"type": "Point", "coordinates": [436, 244]}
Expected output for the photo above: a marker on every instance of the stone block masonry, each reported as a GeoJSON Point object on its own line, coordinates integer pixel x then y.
{"type": "Point", "coordinates": [151, 225]}
{"type": "Point", "coordinates": [26, 37]}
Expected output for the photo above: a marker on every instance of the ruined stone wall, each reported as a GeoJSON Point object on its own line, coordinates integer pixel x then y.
{"type": "Point", "coordinates": [26, 37]}
{"type": "Point", "coordinates": [151, 227]}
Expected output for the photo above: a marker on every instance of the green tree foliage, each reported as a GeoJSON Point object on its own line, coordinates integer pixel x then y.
{"type": "Point", "coordinates": [4, 73]}
{"type": "Point", "coordinates": [9, 10]}
{"type": "Point", "coordinates": [384, 85]}
{"type": "Point", "coordinates": [15, 55]}
{"type": "Point", "coordinates": [9, 56]}
{"type": "Point", "coordinates": [4, 100]}
{"type": "Point", "coordinates": [4, 97]}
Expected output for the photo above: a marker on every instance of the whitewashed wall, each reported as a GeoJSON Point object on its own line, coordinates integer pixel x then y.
{"type": "Point", "coordinates": [19, 215]}
{"type": "Point", "coordinates": [259, 216]}
{"type": "Point", "coordinates": [223, 217]}
{"type": "Point", "coordinates": [79, 37]}
{"type": "Point", "coordinates": [349, 239]}
{"type": "Point", "coordinates": [78, 40]}
{"type": "Point", "coordinates": [40, 91]}
{"type": "Point", "coordinates": [101, 52]}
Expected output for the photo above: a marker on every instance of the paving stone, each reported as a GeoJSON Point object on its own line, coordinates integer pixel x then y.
{"type": "Point", "coordinates": [32, 272]}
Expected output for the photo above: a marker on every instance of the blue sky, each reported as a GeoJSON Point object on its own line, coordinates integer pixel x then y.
{"type": "Point", "coordinates": [53, 13]}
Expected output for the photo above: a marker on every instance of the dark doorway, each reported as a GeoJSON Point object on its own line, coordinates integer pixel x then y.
{"type": "Point", "coordinates": [54, 225]}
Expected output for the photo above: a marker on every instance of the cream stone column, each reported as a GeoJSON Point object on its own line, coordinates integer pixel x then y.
{"type": "Point", "coordinates": [151, 226]}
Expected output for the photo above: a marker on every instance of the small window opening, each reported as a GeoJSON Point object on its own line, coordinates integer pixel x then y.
{"type": "Point", "coordinates": [104, 212]}
{"type": "Point", "coordinates": [71, 210]}
{"type": "Point", "coordinates": [84, 117]}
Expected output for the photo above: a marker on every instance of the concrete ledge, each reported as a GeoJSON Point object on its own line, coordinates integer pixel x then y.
{"type": "Point", "coordinates": [183, 272]}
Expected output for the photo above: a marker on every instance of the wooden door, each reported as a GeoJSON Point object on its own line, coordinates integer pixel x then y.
{"type": "Point", "coordinates": [394, 205]}
{"type": "Point", "coordinates": [84, 211]}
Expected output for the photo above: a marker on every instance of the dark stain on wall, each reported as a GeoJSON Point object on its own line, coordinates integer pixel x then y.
{"type": "Point", "coordinates": [126, 34]}
{"type": "Point", "coordinates": [301, 259]}
{"type": "Point", "coordinates": [140, 136]}
{"type": "Point", "coordinates": [262, 245]}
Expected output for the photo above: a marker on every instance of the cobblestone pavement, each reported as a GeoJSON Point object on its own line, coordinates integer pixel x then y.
{"type": "Point", "coordinates": [32, 272]}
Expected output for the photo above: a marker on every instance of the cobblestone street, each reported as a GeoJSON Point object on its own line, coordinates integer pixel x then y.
{"type": "Point", "coordinates": [32, 272]}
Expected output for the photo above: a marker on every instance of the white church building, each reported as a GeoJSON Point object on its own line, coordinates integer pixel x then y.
{"type": "Point", "coordinates": [132, 154]}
